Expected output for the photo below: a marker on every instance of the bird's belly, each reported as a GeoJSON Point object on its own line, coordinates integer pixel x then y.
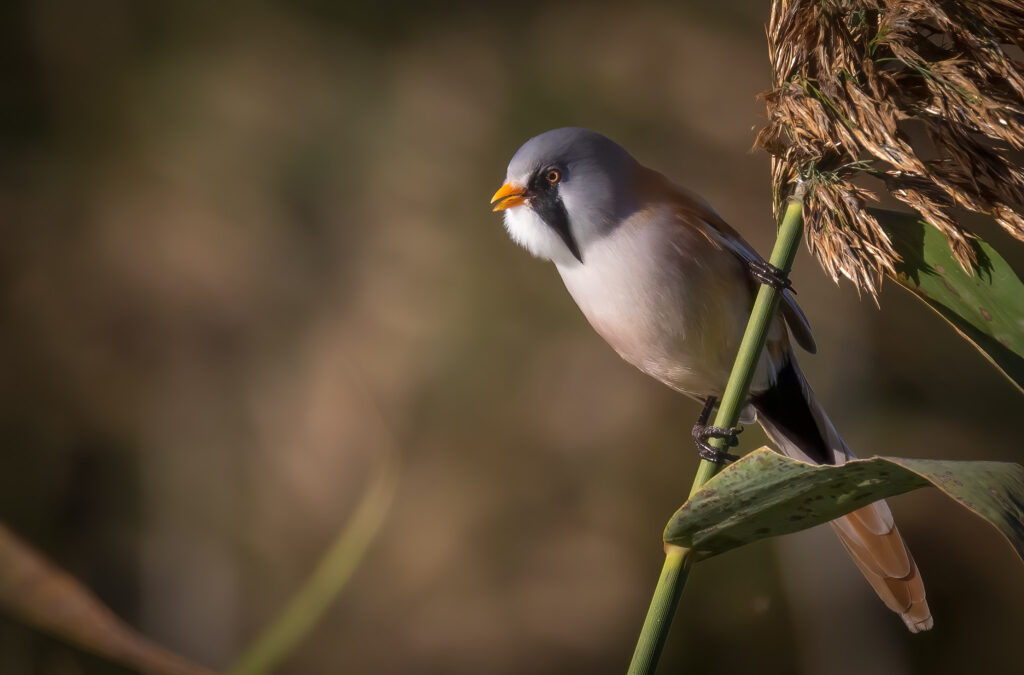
{"type": "Point", "coordinates": [658, 324]}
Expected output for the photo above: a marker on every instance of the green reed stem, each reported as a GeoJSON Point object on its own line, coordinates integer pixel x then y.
{"type": "Point", "coordinates": [677, 559]}
{"type": "Point", "coordinates": [330, 576]}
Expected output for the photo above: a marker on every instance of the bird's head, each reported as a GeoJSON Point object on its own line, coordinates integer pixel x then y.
{"type": "Point", "coordinates": [565, 189]}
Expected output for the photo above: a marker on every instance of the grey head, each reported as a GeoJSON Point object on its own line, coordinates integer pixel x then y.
{"type": "Point", "coordinates": [565, 189]}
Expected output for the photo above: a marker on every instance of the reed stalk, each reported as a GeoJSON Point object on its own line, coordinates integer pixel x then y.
{"type": "Point", "coordinates": [677, 559]}
{"type": "Point", "coordinates": [308, 605]}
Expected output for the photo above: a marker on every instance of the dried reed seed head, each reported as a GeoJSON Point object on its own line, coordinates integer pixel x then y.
{"type": "Point", "coordinates": [853, 78]}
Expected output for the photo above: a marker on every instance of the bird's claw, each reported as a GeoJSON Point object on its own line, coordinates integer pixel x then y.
{"type": "Point", "coordinates": [706, 451]}
{"type": "Point", "coordinates": [770, 275]}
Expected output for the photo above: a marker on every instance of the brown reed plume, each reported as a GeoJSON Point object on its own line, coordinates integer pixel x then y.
{"type": "Point", "coordinates": [925, 95]}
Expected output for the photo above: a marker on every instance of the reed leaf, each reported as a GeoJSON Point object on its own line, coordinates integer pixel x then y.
{"type": "Point", "coordinates": [36, 592]}
{"type": "Point", "coordinates": [765, 494]}
{"type": "Point", "coordinates": [986, 307]}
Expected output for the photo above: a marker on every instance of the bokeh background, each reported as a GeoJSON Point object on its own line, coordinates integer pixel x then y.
{"type": "Point", "coordinates": [247, 254]}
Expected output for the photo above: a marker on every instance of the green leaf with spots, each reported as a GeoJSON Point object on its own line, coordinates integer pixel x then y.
{"type": "Point", "coordinates": [986, 308]}
{"type": "Point", "coordinates": [765, 494]}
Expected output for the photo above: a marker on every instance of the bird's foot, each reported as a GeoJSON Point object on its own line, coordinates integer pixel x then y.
{"type": "Point", "coordinates": [706, 451]}
{"type": "Point", "coordinates": [770, 275]}
{"type": "Point", "coordinates": [702, 431]}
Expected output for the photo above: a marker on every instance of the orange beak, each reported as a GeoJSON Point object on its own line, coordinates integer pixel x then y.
{"type": "Point", "coordinates": [507, 196]}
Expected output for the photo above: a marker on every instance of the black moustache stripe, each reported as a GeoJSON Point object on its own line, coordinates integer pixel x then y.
{"type": "Point", "coordinates": [548, 205]}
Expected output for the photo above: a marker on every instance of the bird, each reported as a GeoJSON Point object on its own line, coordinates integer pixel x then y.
{"type": "Point", "coordinates": [669, 285]}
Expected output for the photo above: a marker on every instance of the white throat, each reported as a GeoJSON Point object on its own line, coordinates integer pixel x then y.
{"type": "Point", "coordinates": [529, 231]}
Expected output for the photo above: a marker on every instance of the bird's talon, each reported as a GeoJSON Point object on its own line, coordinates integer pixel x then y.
{"type": "Point", "coordinates": [706, 432]}
{"type": "Point", "coordinates": [770, 275]}
{"type": "Point", "coordinates": [712, 454]}
{"type": "Point", "coordinates": [702, 432]}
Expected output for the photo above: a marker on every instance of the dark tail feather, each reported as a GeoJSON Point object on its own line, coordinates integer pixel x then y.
{"type": "Point", "coordinates": [797, 424]}
{"type": "Point", "coordinates": [793, 420]}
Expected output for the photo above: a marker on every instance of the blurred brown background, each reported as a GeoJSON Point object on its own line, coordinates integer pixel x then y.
{"type": "Point", "coordinates": [246, 248]}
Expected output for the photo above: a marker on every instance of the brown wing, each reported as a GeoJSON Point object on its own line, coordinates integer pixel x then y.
{"type": "Point", "coordinates": [697, 211]}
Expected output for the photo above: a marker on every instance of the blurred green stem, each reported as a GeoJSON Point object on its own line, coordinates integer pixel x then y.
{"type": "Point", "coordinates": [677, 560]}
{"type": "Point", "coordinates": [328, 579]}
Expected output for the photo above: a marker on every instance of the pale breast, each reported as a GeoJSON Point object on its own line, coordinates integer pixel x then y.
{"type": "Point", "coordinates": [667, 299]}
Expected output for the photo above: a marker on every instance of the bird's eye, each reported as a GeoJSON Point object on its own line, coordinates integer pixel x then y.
{"type": "Point", "coordinates": [553, 176]}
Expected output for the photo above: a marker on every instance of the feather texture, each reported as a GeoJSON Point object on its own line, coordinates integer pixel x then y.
{"type": "Point", "coordinates": [797, 424]}
{"type": "Point", "coordinates": [667, 283]}
{"type": "Point", "coordinates": [693, 211]}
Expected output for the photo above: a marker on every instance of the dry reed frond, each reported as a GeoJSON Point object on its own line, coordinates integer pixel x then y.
{"type": "Point", "coordinates": [925, 95]}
